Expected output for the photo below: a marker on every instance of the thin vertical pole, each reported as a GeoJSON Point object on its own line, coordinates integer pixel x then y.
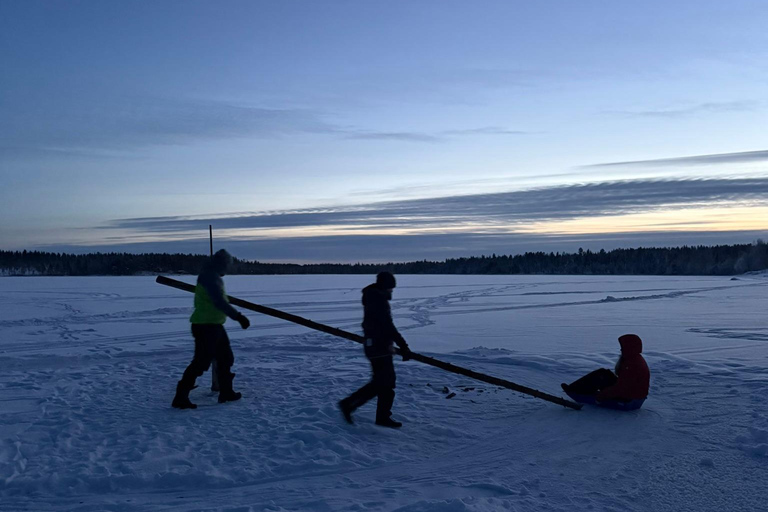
{"type": "Point", "coordinates": [214, 368]}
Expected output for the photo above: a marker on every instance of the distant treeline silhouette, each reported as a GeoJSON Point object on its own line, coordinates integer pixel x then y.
{"type": "Point", "coordinates": [699, 260]}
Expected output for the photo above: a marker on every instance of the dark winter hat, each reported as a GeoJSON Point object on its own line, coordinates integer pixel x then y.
{"type": "Point", "coordinates": [222, 260]}
{"type": "Point", "coordinates": [386, 280]}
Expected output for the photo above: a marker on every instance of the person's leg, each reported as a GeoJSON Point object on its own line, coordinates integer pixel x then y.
{"type": "Point", "coordinates": [224, 361]}
{"type": "Point", "coordinates": [356, 399]}
{"type": "Point", "coordinates": [364, 394]}
{"type": "Point", "coordinates": [384, 404]}
{"type": "Point", "coordinates": [360, 397]}
{"type": "Point", "coordinates": [204, 343]}
{"type": "Point", "coordinates": [592, 382]}
{"type": "Point", "coordinates": [214, 377]}
{"type": "Point", "coordinates": [384, 379]}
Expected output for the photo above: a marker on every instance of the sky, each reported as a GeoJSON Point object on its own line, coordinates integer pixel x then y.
{"type": "Point", "coordinates": [344, 131]}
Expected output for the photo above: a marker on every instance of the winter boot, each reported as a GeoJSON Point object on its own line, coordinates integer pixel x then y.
{"type": "Point", "coordinates": [384, 407]}
{"type": "Point", "coordinates": [388, 422]}
{"type": "Point", "coordinates": [227, 394]}
{"type": "Point", "coordinates": [181, 400]}
{"type": "Point", "coordinates": [346, 410]}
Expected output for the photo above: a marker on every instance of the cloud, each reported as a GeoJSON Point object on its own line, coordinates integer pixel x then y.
{"type": "Point", "coordinates": [487, 130]}
{"type": "Point", "coordinates": [702, 108]}
{"type": "Point", "coordinates": [79, 124]}
{"type": "Point", "coordinates": [453, 226]}
{"type": "Point", "coordinates": [716, 159]}
{"type": "Point", "coordinates": [433, 137]}
{"type": "Point", "coordinates": [452, 187]}
{"type": "Point", "coordinates": [505, 208]}
{"type": "Point", "coordinates": [75, 125]}
{"type": "Point", "coordinates": [59, 154]}
{"type": "Point", "coordinates": [396, 136]}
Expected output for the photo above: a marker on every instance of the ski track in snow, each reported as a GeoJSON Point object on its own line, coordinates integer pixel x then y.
{"type": "Point", "coordinates": [90, 368]}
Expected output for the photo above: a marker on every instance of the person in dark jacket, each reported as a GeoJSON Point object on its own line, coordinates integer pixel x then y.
{"type": "Point", "coordinates": [380, 334]}
{"type": "Point", "coordinates": [211, 341]}
{"type": "Point", "coordinates": [630, 381]}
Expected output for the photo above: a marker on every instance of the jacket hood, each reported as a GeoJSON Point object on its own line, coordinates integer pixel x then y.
{"type": "Point", "coordinates": [631, 344]}
{"type": "Point", "coordinates": [221, 261]}
{"type": "Point", "coordinates": [385, 280]}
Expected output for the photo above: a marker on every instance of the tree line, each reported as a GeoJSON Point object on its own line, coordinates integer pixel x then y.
{"type": "Point", "coordinates": [686, 260]}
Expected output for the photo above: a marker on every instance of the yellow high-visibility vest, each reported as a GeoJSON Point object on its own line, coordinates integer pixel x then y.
{"type": "Point", "coordinates": [205, 312]}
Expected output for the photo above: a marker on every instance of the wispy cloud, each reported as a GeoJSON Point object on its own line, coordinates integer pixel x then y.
{"type": "Point", "coordinates": [396, 136]}
{"type": "Point", "coordinates": [721, 158]}
{"type": "Point", "coordinates": [432, 137]}
{"type": "Point", "coordinates": [111, 125]}
{"type": "Point", "coordinates": [86, 125]}
{"type": "Point", "coordinates": [487, 130]}
{"type": "Point", "coordinates": [563, 218]}
{"type": "Point", "coordinates": [692, 110]}
{"type": "Point", "coordinates": [489, 210]}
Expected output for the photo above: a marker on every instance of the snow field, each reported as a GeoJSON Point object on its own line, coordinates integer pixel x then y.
{"type": "Point", "coordinates": [90, 365]}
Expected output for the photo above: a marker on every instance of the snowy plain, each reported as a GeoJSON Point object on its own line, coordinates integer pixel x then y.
{"type": "Point", "coordinates": [89, 367]}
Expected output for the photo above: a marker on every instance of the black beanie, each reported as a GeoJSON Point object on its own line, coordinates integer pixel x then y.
{"type": "Point", "coordinates": [386, 280]}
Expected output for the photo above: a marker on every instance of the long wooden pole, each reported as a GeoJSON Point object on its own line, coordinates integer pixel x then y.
{"type": "Point", "coordinates": [359, 339]}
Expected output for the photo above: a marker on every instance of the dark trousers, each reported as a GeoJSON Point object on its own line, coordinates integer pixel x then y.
{"type": "Point", "coordinates": [211, 342]}
{"type": "Point", "coordinates": [382, 385]}
{"type": "Point", "coordinates": [593, 382]}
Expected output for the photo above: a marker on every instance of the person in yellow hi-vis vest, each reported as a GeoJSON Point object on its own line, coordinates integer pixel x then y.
{"type": "Point", "coordinates": [211, 341]}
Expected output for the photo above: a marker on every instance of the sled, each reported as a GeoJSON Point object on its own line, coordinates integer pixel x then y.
{"type": "Point", "coordinates": [618, 405]}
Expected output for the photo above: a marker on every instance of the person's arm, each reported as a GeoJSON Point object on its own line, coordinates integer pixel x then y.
{"type": "Point", "coordinates": [395, 335]}
{"type": "Point", "coordinates": [381, 316]}
{"type": "Point", "coordinates": [405, 350]}
{"type": "Point", "coordinates": [385, 322]}
{"type": "Point", "coordinates": [623, 383]}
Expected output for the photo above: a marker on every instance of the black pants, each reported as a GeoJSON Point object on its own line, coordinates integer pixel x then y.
{"type": "Point", "coordinates": [593, 382]}
{"type": "Point", "coordinates": [211, 342]}
{"type": "Point", "coordinates": [382, 385]}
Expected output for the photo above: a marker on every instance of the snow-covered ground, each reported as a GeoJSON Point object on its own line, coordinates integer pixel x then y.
{"type": "Point", "coordinates": [89, 367]}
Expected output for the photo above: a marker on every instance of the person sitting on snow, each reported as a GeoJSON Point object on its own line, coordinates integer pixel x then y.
{"type": "Point", "coordinates": [380, 333]}
{"type": "Point", "coordinates": [211, 341]}
{"type": "Point", "coordinates": [630, 382]}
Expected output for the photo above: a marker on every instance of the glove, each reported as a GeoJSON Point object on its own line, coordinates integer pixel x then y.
{"type": "Point", "coordinates": [405, 353]}
{"type": "Point", "coordinates": [244, 322]}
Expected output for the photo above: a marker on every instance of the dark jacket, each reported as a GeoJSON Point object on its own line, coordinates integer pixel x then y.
{"type": "Point", "coordinates": [378, 328]}
{"type": "Point", "coordinates": [632, 371]}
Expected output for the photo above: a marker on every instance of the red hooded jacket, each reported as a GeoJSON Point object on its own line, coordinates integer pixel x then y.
{"type": "Point", "coordinates": [632, 370]}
